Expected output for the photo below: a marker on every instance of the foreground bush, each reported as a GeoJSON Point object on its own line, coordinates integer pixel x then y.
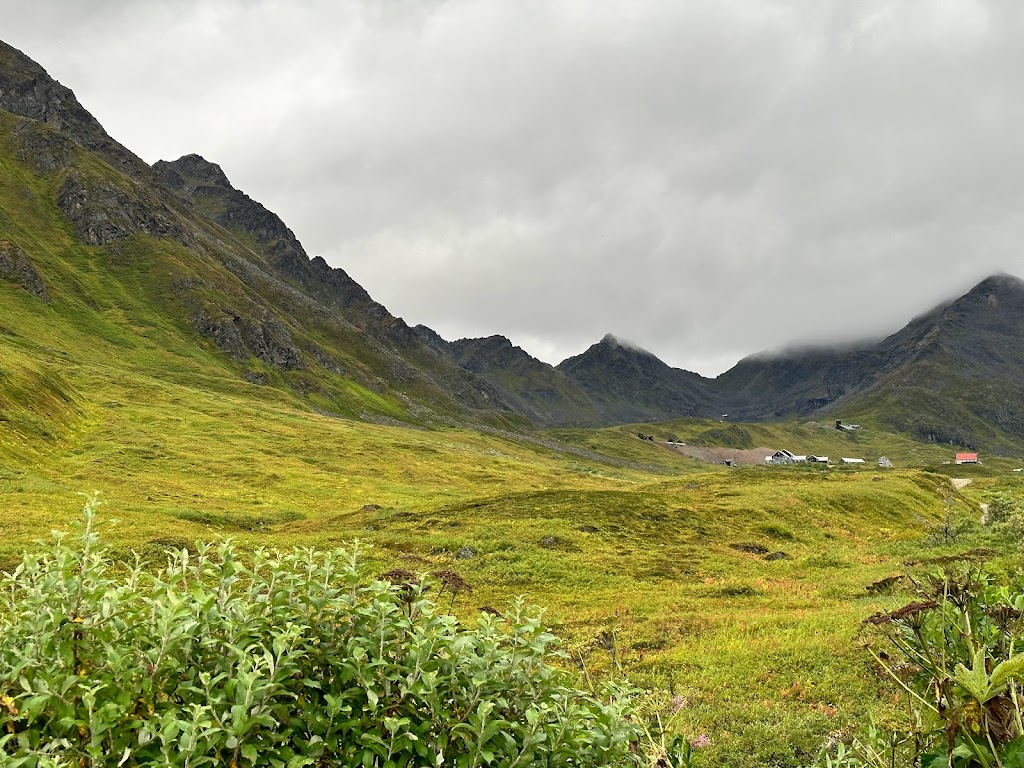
{"type": "Point", "coordinates": [957, 651]}
{"type": "Point", "coordinates": [276, 660]}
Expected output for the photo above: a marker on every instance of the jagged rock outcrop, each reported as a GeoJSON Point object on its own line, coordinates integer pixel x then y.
{"type": "Point", "coordinates": [27, 90]}
{"type": "Point", "coordinates": [432, 339]}
{"type": "Point", "coordinates": [43, 148]}
{"type": "Point", "coordinates": [241, 337]}
{"type": "Point", "coordinates": [102, 212]}
{"type": "Point", "coordinates": [15, 267]}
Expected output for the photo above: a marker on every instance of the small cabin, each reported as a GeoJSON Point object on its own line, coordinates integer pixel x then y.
{"type": "Point", "coordinates": [884, 462]}
{"type": "Point", "coordinates": [845, 460]}
{"type": "Point", "coordinates": [967, 458]}
{"type": "Point", "coordinates": [818, 459]}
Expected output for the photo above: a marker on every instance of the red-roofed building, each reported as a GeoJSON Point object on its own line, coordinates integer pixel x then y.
{"type": "Point", "coordinates": [967, 458]}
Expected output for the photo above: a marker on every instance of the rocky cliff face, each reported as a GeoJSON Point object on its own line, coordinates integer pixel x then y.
{"type": "Point", "coordinates": [545, 395]}
{"type": "Point", "coordinates": [15, 267]}
{"type": "Point", "coordinates": [206, 186]}
{"type": "Point", "coordinates": [103, 212]}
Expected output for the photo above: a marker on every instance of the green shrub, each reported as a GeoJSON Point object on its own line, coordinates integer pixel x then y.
{"type": "Point", "coordinates": [1001, 510]}
{"type": "Point", "coordinates": [277, 659]}
{"type": "Point", "coordinates": [957, 651]}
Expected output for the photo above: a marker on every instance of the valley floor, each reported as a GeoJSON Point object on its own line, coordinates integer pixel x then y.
{"type": "Point", "coordinates": [732, 596]}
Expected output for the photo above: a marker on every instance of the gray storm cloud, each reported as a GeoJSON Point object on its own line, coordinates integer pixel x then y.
{"type": "Point", "coordinates": [707, 178]}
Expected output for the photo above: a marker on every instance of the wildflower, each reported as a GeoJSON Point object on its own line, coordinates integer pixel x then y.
{"type": "Point", "coordinates": [701, 741]}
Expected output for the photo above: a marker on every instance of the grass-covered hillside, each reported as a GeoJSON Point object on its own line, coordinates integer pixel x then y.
{"type": "Point", "coordinates": [731, 596]}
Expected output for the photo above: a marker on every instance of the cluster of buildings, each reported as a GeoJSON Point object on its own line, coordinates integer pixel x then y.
{"type": "Point", "coordinates": [786, 457]}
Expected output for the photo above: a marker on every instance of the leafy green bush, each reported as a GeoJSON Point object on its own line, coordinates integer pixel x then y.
{"type": "Point", "coordinates": [277, 659]}
{"type": "Point", "coordinates": [1001, 509]}
{"type": "Point", "coordinates": [957, 652]}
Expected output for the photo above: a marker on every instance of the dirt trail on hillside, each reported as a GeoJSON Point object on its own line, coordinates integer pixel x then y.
{"type": "Point", "coordinates": [720, 455]}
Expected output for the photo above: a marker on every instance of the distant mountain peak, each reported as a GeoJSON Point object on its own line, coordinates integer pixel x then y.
{"type": "Point", "coordinates": [617, 342]}
{"type": "Point", "coordinates": [999, 285]}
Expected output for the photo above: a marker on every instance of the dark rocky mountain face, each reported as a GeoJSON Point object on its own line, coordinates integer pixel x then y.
{"type": "Point", "coordinates": [630, 384]}
{"type": "Point", "coordinates": [432, 339]}
{"type": "Point", "coordinates": [206, 186]}
{"type": "Point", "coordinates": [796, 383]}
{"type": "Point", "coordinates": [543, 394]}
{"type": "Point", "coordinates": [952, 374]}
{"type": "Point", "coordinates": [956, 373]}
{"type": "Point", "coordinates": [27, 90]}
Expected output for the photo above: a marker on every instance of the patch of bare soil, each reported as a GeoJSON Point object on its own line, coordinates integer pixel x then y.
{"type": "Point", "coordinates": [720, 455]}
{"type": "Point", "coordinates": [961, 482]}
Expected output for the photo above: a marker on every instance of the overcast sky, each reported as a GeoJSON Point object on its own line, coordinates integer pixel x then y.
{"type": "Point", "coordinates": [708, 178]}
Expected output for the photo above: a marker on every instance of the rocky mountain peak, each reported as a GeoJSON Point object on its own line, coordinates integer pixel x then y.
{"type": "Point", "coordinates": [28, 91]}
{"type": "Point", "coordinates": [997, 291]}
{"type": "Point", "coordinates": [192, 172]}
{"type": "Point", "coordinates": [613, 345]}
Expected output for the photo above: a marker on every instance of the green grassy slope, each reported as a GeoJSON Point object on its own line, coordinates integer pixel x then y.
{"type": "Point", "coordinates": [758, 650]}
{"type": "Point", "coordinates": [106, 388]}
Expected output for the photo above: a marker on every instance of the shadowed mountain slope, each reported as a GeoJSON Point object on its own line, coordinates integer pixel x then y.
{"type": "Point", "coordinates": [542, 393]}
{"type": "Point", "coordinates": [952, 374]}
{"type": "Point", "coordinates": [630, 384]}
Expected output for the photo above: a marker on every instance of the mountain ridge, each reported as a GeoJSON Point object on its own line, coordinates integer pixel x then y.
{"type": "Point", "coordinates": [213, 262]}
{"type": "Point", "coordinates": [238, 277]}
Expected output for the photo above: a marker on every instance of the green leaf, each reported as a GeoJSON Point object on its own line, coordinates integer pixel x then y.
{"type": "Point", "coordinates": [1007, 670]}
{"type": "Point", "coordinates": [974, 680]}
